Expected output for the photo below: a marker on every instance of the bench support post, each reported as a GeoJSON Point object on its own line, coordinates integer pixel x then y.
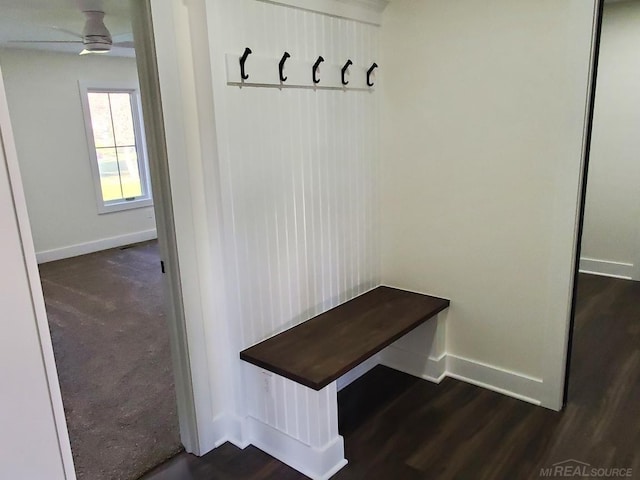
{"type": "Point", "coordinates": [293, 423]}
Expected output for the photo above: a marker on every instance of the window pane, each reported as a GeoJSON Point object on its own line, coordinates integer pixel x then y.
{"type": "Point", "coordinates": [122, 119]}
{"type": "Point", "coordinates": [101, 119]}
{"type": "Point", "coordinates": [109, 175]}
{"type": "Point", "coordinates": [129, 173]}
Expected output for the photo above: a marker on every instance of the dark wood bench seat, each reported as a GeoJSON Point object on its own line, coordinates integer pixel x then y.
{"type": "Point", "coordinates": [322, 349]}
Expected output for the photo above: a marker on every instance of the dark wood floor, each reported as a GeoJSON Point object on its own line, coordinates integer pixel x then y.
{"type": "Point", "coordinates": [398, 427]}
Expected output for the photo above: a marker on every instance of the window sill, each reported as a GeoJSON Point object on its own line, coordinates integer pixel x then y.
{"type": "Point", "coordinates": [121, 206]}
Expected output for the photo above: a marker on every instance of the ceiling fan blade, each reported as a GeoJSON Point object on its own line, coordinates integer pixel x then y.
{"type": "Point", "coordinates": [73, 34]}
{"type": "Point", "coordinates": [93, 52]}
{"type": "Point", "coordinates": [123, 44]}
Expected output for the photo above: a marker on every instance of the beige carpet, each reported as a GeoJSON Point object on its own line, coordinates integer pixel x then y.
{"type": "Point", "coordinates": [111, 345]}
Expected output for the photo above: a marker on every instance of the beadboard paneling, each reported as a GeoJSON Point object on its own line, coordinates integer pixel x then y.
{"type": "Point", "coordinates": [299, 170]}
{"type": "Point", "coordinates": [302, 413]}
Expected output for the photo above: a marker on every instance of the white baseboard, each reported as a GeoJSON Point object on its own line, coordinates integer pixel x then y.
{"type": "Point", "coordinates": [95, 246]}
{"type": "Point", "coordinates": [416, 364]}
{"type": "Point", "coordinates": [607, 268]}
{"type": "Point", "coordinates": [219, 432]}
{"type": "Point", "coordinates": [351, 376]}
{"type": "Point", "coordinates": [316, 463]}
{"type": "Point", "coordinates": [233, 430]}
{"type": "Point", "coordinates": [499, 380]}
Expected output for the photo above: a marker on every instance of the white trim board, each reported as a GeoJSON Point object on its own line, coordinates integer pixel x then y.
{"type": "Point", "coordinates": [607, 268]}
{"type": "Point", "coordinates": [95, 246]}
{"type": "Point", "coordinates": [315, 463]}
{"type": "Point", "coordinates": [263, 72]}
{"type": "Point", "coordinates": [507, 382]}
{"type": "Point", "coordinates": [365, 11]}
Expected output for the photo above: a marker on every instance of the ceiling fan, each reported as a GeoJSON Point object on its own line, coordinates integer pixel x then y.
{"type": "Point", "coordinates": [95, 36]}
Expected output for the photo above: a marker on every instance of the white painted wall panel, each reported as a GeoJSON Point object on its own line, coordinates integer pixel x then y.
{"type": "Point", "coordinates": [481, 165]}
{"type": "Point", "coordinates": [307, 415]}
{"type": "Point", "coordinates": [299, 171]}
{"type": "Point", "coordinates": [46, 112]}
{"type": "Point", "coordinates": [611, 237]}
{"type": "Point", "coordinates": [34, 443]}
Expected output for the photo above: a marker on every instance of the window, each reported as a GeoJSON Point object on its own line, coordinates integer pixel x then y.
{"type": "Point", "coordinates": [116, 148]}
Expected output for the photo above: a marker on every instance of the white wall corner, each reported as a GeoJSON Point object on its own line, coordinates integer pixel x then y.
{"type": "Point", "coordinates": [417, 364]}
{"type": "Point", "coordinates": [354, 374]}
{"type": "Point", "coordinates": [95, 246]}
{"type": "Point", "coordinates": [421, 352]}
{"type": "Point", "coordinates": [316, 463]}
{"type": "Point", "coordinates": [233, 429]}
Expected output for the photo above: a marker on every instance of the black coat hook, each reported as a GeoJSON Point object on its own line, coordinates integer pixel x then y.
{"type": "Point", "coordinates": [243, 59]}
{"type": "Point", "coordinates": [315, 69]}
{"type": "Point", "coordinates": [369, 72]}
{"type": "Point", "coordinates": [344, 71]}
{"type": "Point", "coordinates": [281, 66]}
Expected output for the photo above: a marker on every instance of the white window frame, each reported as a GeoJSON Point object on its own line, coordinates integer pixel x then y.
{"type": "Point", "coordinates": [145, 200]}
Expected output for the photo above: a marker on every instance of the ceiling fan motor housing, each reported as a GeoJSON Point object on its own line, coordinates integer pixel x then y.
{"type": "Point", "coordinates": [96, 37]}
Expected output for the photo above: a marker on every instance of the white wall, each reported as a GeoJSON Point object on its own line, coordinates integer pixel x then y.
{"type": "Point", "coordinates": [33, 440]}
{"type": "Point", "coordinates": [483, 114]}
{"type": "Point", "coordinates": [46, 113]}
{"type": "Point", "coordinates": [611, 237]}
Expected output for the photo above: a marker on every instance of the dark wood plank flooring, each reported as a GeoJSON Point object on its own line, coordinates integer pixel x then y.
{"type": "Point", "coordinates": [398, 427]}
{"type": "Point", "coordinates": [322, 349]}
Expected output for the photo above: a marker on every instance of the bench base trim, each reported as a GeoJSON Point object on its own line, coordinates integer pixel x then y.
{"type": "Point", "coordinates": [316, 463]}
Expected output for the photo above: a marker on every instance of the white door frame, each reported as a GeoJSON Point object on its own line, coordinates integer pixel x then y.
{"type": "Point", "coordinates": [180, 131]}
{"type": "Point", "coordinates": [183, 80]}
{"type": "Point", "coordinates": [165, 220]}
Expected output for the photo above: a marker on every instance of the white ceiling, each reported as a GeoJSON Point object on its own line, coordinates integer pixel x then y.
{"type": "Point", "coordinates": [46, 20]}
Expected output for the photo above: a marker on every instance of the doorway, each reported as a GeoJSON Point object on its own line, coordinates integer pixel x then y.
{"type": "Point", "coordinates": [603, 335]}
{"type": "Point", "coordinates": [111, 345]}
{"type": "Point", "coordinates": [80, 289]}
